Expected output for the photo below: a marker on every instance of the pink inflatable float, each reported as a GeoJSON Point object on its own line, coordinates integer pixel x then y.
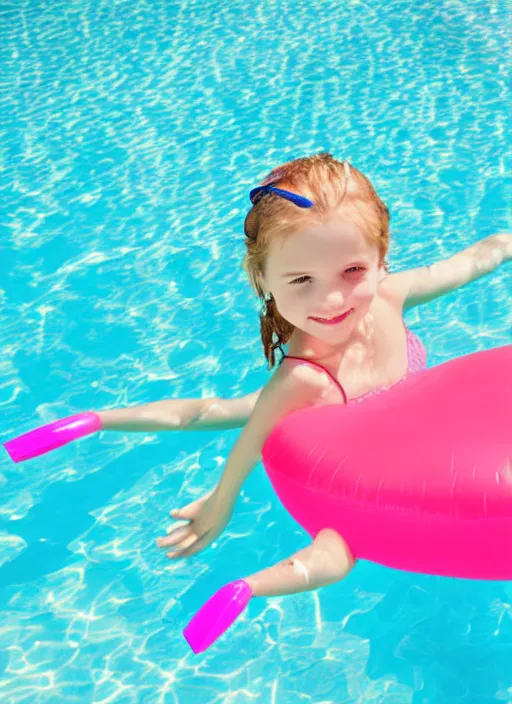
{"type": "Point", "coordinates": [418, 478]}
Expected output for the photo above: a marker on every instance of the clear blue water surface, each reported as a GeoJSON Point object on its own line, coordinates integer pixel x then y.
{"type": "Point", "coordinates": [130, 134]}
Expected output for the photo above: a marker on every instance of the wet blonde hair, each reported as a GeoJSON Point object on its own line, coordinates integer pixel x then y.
{"type": "Point", "coordinates": [328, 183]}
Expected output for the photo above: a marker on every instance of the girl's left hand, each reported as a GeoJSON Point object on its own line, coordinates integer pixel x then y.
{"type": "Point", "coordinates": [207, 519]}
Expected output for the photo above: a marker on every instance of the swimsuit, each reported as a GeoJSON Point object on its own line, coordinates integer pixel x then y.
{"type": "Point", "coordinates": [416, 361]}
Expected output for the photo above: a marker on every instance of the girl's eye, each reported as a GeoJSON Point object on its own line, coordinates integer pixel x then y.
{"type": "Point", "coordinates": [353, 269]}
{"type": "Point", "coordinates": [301, 280]}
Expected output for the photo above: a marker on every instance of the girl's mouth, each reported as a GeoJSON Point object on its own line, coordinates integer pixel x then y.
{"type": "Point", "coordinates": [332, 321]}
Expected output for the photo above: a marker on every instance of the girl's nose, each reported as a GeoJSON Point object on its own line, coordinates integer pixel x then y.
{"type": "Point", "coordinates": [335, 299]}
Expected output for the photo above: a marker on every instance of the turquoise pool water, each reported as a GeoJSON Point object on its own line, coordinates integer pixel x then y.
{"type": "Point", "coordinates": [130, 135]}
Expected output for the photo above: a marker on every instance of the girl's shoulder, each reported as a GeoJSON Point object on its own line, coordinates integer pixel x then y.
{"type": "Point", "coordinates": [291, 388]}
{"type": "Point", "coordinates": [306, 380]}
{"type": "Point", "coordinates": [395, 288]}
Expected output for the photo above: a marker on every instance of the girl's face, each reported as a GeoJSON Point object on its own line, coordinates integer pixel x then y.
{"type": "Point", "coordinates": [323, 278]}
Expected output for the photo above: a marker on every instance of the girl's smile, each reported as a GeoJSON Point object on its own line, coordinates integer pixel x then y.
{"type": "Point", "coordinates": [332, 321]}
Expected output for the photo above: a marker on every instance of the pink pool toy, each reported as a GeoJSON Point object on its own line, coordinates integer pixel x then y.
{"type": "Point", "coordinates": [217, 615]}
{"type": "Point", "coordinates": [49, 437]}
{"type": "Point", "coordinates": [418, 478]}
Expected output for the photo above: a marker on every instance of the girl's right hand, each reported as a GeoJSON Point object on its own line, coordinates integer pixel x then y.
{"type": "Point", "coordinates": [207, 519]}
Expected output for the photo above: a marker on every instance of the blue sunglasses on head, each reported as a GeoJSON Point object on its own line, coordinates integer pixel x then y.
{"type": "Point", "coordinates": [287, 195]}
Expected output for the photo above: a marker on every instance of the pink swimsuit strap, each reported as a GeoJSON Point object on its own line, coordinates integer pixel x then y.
{"type": "Point", "coordinates": [416, 361]}
{"type": "Point", "coordinates": [315, 364]}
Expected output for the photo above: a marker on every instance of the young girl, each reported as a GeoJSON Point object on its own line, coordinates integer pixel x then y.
{"type": "Point", "coordinates": [317, 238]}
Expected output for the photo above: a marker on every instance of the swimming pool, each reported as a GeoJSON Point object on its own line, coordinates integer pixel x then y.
{"type": "Point", "coordinates": [131, 134]}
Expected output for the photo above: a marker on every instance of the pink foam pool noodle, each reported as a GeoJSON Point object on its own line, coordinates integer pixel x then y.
{"type": "Point", "coordinates": [217, 615]}
{"type": "Point", "coordinates": [49, 437]}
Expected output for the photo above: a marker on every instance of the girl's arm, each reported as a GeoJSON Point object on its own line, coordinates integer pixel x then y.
{"type": "Point", "coordinates": [428, 282]}
{"type": "Point", "coordinates": [174, 414]}
{"type": "Point", "coordinates": [290, 389]}
{"type": "Point", "coordinates": [181, 414]}
{"type": "Point", "coordinates": [325, 561]}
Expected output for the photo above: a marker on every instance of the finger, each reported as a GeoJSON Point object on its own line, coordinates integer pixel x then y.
{"type": "Point", "coordinates": [176, 525]}
{"type": "Point", "coordinates": [173, 537]}
{"type": "Point", "coordinates": [183, 545]}
{"type": "Point", "coordinates": [177, 515]}
{"type": "Point", "coordinates": [196, 547]}
{"type": "Point", "coordinates": [187, 512]}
